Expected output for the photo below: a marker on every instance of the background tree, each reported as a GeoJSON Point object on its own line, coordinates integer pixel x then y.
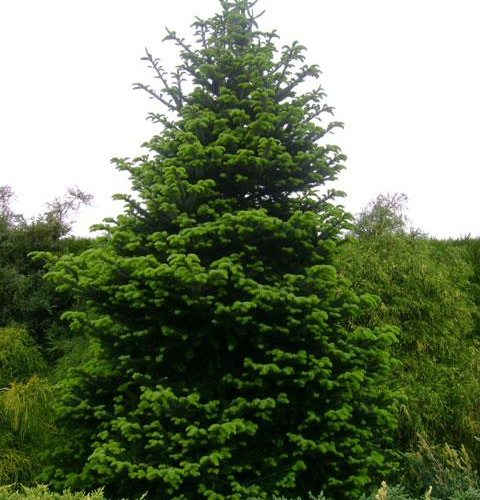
{"type": "Point", "coordinates": [32, 336]}
{"type": "Point", "coordinates": [25, 298]}
{"type": "Point", "coordinates": [384, 215]}
{"type": "Point", "coordinates": [220, 366]}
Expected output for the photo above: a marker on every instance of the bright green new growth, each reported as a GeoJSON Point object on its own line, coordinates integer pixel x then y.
{"type": "Point", "coordinates": [221, 366]}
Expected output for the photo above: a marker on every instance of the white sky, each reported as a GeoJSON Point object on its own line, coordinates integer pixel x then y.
{"type": "Point", "coordinates": [403, 75]}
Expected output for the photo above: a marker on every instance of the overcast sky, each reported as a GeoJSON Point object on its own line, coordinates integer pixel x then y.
{"type": "Point", "coordinates": [403, 75]}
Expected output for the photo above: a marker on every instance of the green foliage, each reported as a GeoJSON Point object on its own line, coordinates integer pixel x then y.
{"type": "Point", "coordinates": [25, 406]}
{"type": "Point", "coordinates": [29, 304]}
{"type": "Point", "coordinates": [20, 358]}
{"type": "Point", "coordinates": [426, 290]}
{"type": "Point", "coordinates": [25, 298]}
{"type": "Point", "coordinates": [470, 248]}
{"type": "Point", "coordinates": [310, 496]}
{"type": "Point", "coordinates": [385, 492]}
{"type": "Point", "coordinates": [384, 215]}
{"type": "Point", "coordinates": [42, 492]}
{"type": "Point", "coordinates": [447, 469]}
{"type": "Point", "coordinates": [470, 494]}
{"type": "Point", "coordinates": [72, 353]}
{"type": "Point", "coordinates": [219, 363]}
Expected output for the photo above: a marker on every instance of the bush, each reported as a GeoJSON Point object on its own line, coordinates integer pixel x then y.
{"type": "Point", "coordinates": [426, 292]}
{"type": "Point", "coordinates": [25, 406]}
{"type": "Point", "coordinates": [385, 492]}
{"type": "Point", "coordinates": [26, 298]}
{"type": "Point", "coordinates": [43, 493]}
{"type": "Point", "coordinates": [447, 469]}
{"type": "Point", "coordinates": [310, 496]}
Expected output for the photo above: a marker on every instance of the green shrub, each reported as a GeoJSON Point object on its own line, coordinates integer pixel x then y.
{"type": "Point", "coordinates": [385, 492]}
{"type": "Point", "coordinates": [426, 293]}
{"type": "Point", "coordinates": [43, 493]}
{"type": "Point", "coordinates": [20, 358]}
{"type": "Point", "coordinates": [469, 494]}
{"type": "Point", "coordinates": [446, 469]}
{"type": "Point", "coordinates": [470, 248]}
{"type": "Point", "coordinates": [26, 299]}
{"type": "Point", "coordinates": [25, 406]}
{"type": "Point", "coordinates": [310, 496]}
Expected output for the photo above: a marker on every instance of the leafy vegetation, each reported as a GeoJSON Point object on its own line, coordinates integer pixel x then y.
{"type": "Point", "coordinates": [385, 492]}
{"type": "Point", "coordinates": [43, 493]}
{"type": "Point", "coordinates": [25, 403]}
{"type": "Point", "coordinates": [384, 215]}
{"type": "Point", "coordinates": [228, 338]}
{"type": "Point", "coordinates": [25, 297]}
{"type": "Point", "coordinates": [448, 471]}
{"type": "Point", "coordinates": [32, 335]}
{"type": "Point", "coordinates": [427, 292]}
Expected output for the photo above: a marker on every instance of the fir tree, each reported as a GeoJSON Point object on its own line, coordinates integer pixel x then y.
{"type": "Point", "coordinates": [221, 365]}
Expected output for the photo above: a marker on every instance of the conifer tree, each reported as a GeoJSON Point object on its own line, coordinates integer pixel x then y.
{"type": "Point", "coordinates": [221, 362]}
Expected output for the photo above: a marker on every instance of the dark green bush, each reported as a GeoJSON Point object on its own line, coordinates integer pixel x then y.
{"type": "Point", "coordinates": [32, 336]}
{"type": "Point", "coordinates": [26, 299]}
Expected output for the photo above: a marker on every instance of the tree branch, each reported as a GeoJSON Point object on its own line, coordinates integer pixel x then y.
{"type": "Point", "coordinates": [156, 95]}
